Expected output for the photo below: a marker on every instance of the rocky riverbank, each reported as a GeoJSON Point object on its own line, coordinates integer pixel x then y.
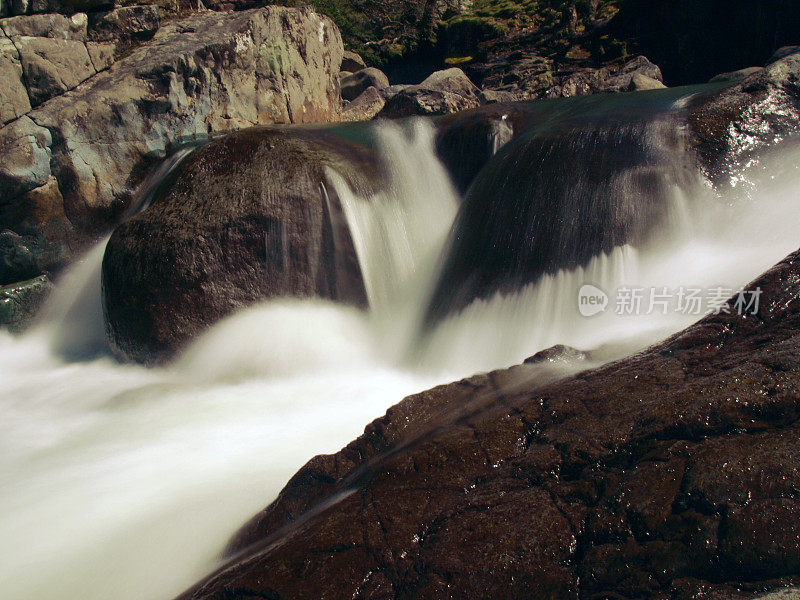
{"type": "Point", "coordinates": [85, 120]}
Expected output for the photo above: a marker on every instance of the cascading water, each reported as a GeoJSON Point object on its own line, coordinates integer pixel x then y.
{"type": "Point", "coordinates": [122, 482]}
{"type": "Point", "coordinates": [400, 232]}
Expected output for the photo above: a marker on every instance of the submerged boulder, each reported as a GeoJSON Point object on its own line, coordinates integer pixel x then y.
{"type": "Point", "coordinates": [249, 216]}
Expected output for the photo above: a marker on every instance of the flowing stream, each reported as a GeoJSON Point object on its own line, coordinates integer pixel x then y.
{"type": "Point", "coordinates": [122, 482]}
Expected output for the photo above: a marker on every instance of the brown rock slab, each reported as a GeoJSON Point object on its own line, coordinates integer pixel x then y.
{"type": "Point", "coordinates": [443, 92]}
{"type": "Point", "coordinates": [365, 107]}
{"type": "Point", "coordinates": [14, 100]}
{"type": "Point", "coordinates": [53, 66]}
{"type": "Point", "coordinates": [668, 474]}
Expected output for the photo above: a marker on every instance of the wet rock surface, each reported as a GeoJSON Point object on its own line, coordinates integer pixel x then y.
{"type": "Point", "coordinates": [222, 236]}
{"type": "Point", "coordinates": [20, 302]}
{"type": "Point", "coordinates": [733, 125]}
{"type": "Point", "coordinates": [673, 473]}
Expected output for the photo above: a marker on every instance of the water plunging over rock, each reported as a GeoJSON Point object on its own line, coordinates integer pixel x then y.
{"type": "Point", "coordinates": [560, 193]}
{"type": "Point", "coordinates": [582, 176]}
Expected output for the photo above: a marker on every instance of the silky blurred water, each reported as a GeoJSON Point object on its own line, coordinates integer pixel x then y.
{"type": "Point", "coordinates": [122, 482]}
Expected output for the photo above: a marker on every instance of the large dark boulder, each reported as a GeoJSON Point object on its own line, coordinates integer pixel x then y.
{"type": "Point", "coordinates": [584, 175]}
{"type": "Point", "coordinates": [249, 216]}
{"type": "Point", "coordinates": [670, 474]}
{"type": "Point", "coordinates": [579, 177]}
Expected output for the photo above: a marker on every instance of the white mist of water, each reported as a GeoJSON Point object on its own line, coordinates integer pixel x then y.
{"type": "Point", "coordinates": [123, 482]}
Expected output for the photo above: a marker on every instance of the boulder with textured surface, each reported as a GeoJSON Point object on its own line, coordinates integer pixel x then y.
{"type": "Point", "coordinates": [207, 73]}
{"type": "Point", "coordinates": [352, 62]}
{"type": "Point", "coordinates": [53, 66]}
{"type": "Point", "coordinates": [354, 84]}
{"type": "Point", "coordinates": [641, 83]}
{"type": "Point", "coordinates": [14, 100]}
{"type": "Point", "coordinates": [17, 262]}
{"type": "Point", "coordinates": [736, 75]}
{"type": "Point", "coordinates": [224, 236]}
{"type": "Point", "coordinates": [737, 122]}
{"type": "Point", "coordinates": [125, 26]}
{"type": "Point", "coordinates": [365, 107]}
{"type": "Point", "coordinates": [20, 302]}
{"type": "Point", "coordinates": [783, 53]}
{"type": "Point", "coordinates": [670, 474]}
{"type": "Point", "coordinates": [49, 26]}
{"type": "Point", "coordinates": [638, 67]}
{"type": "Point", "coordinates": [441, 93]}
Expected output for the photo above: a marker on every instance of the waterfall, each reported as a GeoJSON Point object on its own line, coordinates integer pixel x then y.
{"type": "Point", "coordinates": [400, 232]}
{"type": "Point", "coordinates": [118, 481]}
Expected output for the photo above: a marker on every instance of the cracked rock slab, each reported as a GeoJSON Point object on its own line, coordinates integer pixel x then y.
{"type": "Point", "coordinates": [14, 100]}
{"type": "Point", "coordinates": [52, 66]}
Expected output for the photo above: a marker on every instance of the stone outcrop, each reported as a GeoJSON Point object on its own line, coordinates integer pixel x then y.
{"type": "Point", "coordinates": [736, 75]}
{"type": "Point", "coordinates": [440, 93]}
{"type": "Point", "coordinates": [17, 262]}
{"type": "Point", "coordinates": [52, 66]}
{"type": "Point", "coordinates": [365, 107]}
{"type": "Point", "coordinates": [20, 302]}
{"type": "Point", "coordinates": [69, 166]}
{"type": "Point", "coordinates": [354, 84]}
{"type": "Point", "coordinates": [733, 124]}
{"type": "Point", "coordinates": [525, 76]}
{"type": "Point", "coordinates": [670, 474]}
{"type": "Point", "coordinates": [352, 62]}
{"type": "Point", "coordinates": [14, 100]}
{"type": "Point", "coordinates": [125, 26]}
{"type": "Point", "coordinates": [223, 236]}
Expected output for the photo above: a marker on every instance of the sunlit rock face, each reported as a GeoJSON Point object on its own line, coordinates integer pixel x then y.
{"type": "Point", "coordinates": [102, 117]}
{"type": "Point", "coordinates": [247, 217]}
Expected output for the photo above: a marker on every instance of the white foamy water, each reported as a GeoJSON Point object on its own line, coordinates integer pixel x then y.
{"type": "Point", "coordinates": [124, 482]}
